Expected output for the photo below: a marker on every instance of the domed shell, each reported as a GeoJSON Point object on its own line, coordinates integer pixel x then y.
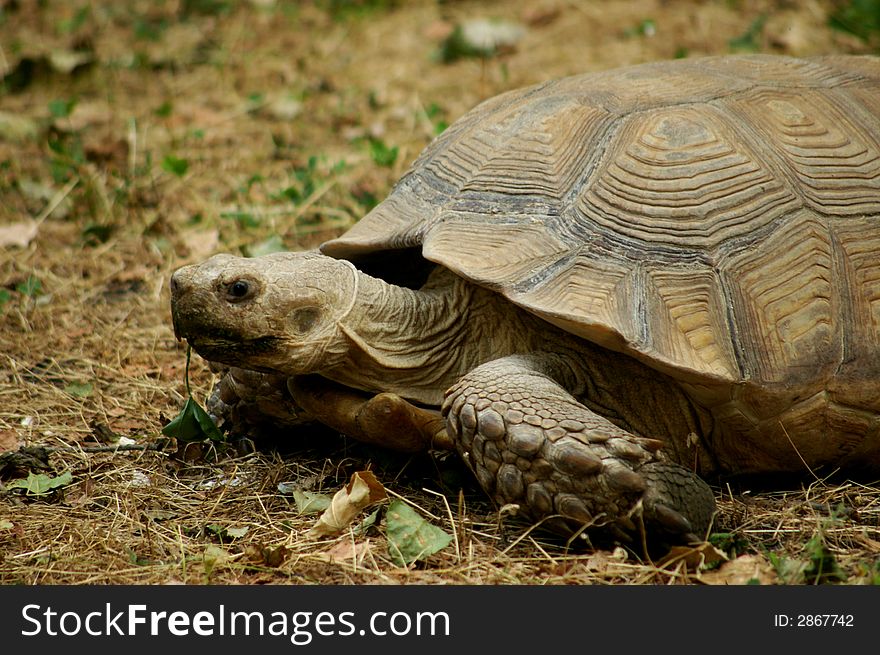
{"type": "Point", "coordinates": [718, 218]}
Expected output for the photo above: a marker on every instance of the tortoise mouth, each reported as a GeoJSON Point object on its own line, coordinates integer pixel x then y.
{"type": "Point", "coordinates": [233, 350]}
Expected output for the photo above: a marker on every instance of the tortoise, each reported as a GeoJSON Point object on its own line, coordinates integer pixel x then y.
{"type": "Point", "coordinates": [601, 291]}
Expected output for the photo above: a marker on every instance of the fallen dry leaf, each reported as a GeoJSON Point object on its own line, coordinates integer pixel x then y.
{"type": "Point", "coordinates": [17, 129]}
{"type": "Point", "coordinates": [362, 490]}
{"type": "Point", "coordinates": [601, 560]}
{"type": "Point", "coordinates": [270, 556]}
{"type": "Point", "coordinates": [18, 235]}
{"type": "Point", "coordinates": [8, 440]}
{"type": "Point", "coordinates": [87, 114]}
{"type": "Point", "coordinates": [694, 557]}
{"type": "Point", "coordinates": [745, 569]}
{"type": "Point", "coordinates": [539, 15]}
{"type": "Point", "coordinates": [346, 550]}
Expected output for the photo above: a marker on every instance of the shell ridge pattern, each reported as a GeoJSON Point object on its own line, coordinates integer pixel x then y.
{"type": "Point", "coordinates": [651, 209]}
{"type": "Point", "coordinates": [832, 156]}
{"type": "Point", "coordinates": [637, 193]}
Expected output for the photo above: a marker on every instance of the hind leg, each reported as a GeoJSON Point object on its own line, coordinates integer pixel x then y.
{"type": "Point", "coordinates": [384, 419]}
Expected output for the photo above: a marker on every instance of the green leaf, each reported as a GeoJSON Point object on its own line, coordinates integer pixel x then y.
{"type": "Point", "coordinates": [175, 165]}
{"type": "Point", "coordinates": [30, 287]}
{"type": "Point", "coordinates": [750, 40]}
{"type": "Point", "coordinates": [192, 424]}
{"type": "Point", "coordinates": [164, 110]}
{"type": "Point", "coordinates": [226, 533]}
{"type": "Point", "coordinates": [70, 25]}
{"type": "Point", "coordinates": [95, 233]}
{"type": "Point", "coordinates": [410, 537]}
{"type": "Point", "coordinates": [136, 559]}
{"type": "Point", "coordinates": [61, 108]}
{"type": "Point", "coordinates": [309, 502]}
{"type": "Point", "coordinates": [79, 389]}
{"type": "Point", "coordinates": [823, 567]}
{"type": "Point", "coordinates": [213, 557]}
{"type": "Point", "coordinates": [645, 27]}
{"type": "Point", "coordinates": [382, 154]}
{"type": "Point", "coordinates": [6, 525]}
{"type": "Point", "coordinates": [368, 522]}
{"type": "Point", "coordinates": [5, 296]}
{"type": "Point", "coordinates": [789, 570]}
{"type": "Point", "coordinates": [859, 17]}
{"type": "Point", "coordinates": [39, 484]}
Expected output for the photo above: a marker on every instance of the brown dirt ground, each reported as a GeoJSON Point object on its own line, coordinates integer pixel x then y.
{"type": "Point", "coordinates": [245, 97]}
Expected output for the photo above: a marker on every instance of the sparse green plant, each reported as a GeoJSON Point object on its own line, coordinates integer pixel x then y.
{"type": "Point", "coordinates": [381, 153]}
{"type": "Point", "coordinates": [307, 179]}
{"type": "Point", "coordinates": [859, 17]}
{"type": "Point", "coordinates": [437, 116]}
{"type": "Point", "coordinates": [149, 29]}
{"type": "Point", "coordinates": [67, 156]}
{"type": "Point", "coordinates": [343, 9]}
{"type": "Point", "coordinates": [822, 566]}
{"type": "Point", "coordinates": [365, 198]}
{"type": "Point", "coordinates": [246, 220]}
{"type": "Point", "coordinates": [732, 544]}
{"type": "Point", "coordinates": [750, 40]}
{"type": "Point", "coordinates": [72, 24]}
{"type": "Point", "coordinates": [646, 27]}
{"type": "Point", "coordinates": [175, 165]}
{"type": "Point", "coordinates": [61, 107]}
{"type": "Point", "coordinates": [95, 233]}
{"type": "Point", "coordinates": [164, 110]}
{"type": "Point", "coordinates": [205, 7]}
{"type": "Point", "coordinates": [5, 297]}
{"type": "Point", "coordinates": [305, 183]}
{"type": "Point", "coordinates": [250, 183]}
{"type": "Point", "coordinates": [31, 287]}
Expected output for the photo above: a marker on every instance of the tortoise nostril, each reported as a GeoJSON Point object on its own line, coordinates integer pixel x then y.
{"type": "Point", "coordinates": [174, 283]}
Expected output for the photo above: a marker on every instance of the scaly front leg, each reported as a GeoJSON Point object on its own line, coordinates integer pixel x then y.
{"type": "Point", "coordinates": [531, 443]}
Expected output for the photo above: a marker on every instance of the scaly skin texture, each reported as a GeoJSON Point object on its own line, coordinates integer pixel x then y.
{"type": "Point", "coordinates": [532, 444]}
{"type": "Point", "coordinates": [566, 431]}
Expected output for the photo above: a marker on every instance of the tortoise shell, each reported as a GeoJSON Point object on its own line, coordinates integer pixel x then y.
{"type": "Point", "coordinates": [717, 218]}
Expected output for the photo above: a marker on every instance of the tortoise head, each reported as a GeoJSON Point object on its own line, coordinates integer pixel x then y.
{"type": "Point", "coordinates": [279, 312]}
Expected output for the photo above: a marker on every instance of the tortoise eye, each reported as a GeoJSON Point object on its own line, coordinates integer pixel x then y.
{"type": "Point", "coordinates": [238, 290]}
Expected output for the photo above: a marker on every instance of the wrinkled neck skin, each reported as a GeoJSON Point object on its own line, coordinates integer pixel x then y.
{"type": "Point", "coordinates": [418, 343]}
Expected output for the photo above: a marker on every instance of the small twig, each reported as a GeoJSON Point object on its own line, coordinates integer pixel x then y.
{"type": "Point", "coordinates": [56, 200]}
{"type": "Point", "coordinates": [451, 520]}
{"type": "Point", "coordinates": [797, 452]}
{"type": "Point", "coordinates": [104, 449]}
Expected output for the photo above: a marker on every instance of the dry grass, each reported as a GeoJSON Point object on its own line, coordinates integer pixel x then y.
{"type": "Point", "coordinates": [246, 98]}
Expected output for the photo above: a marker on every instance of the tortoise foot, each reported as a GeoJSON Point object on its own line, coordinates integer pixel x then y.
{"type": "Point", "coordinates": [251, 404]}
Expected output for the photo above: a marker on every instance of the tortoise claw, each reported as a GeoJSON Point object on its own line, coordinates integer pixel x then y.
{"type": "Point", "coordinates": [678, 504]}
